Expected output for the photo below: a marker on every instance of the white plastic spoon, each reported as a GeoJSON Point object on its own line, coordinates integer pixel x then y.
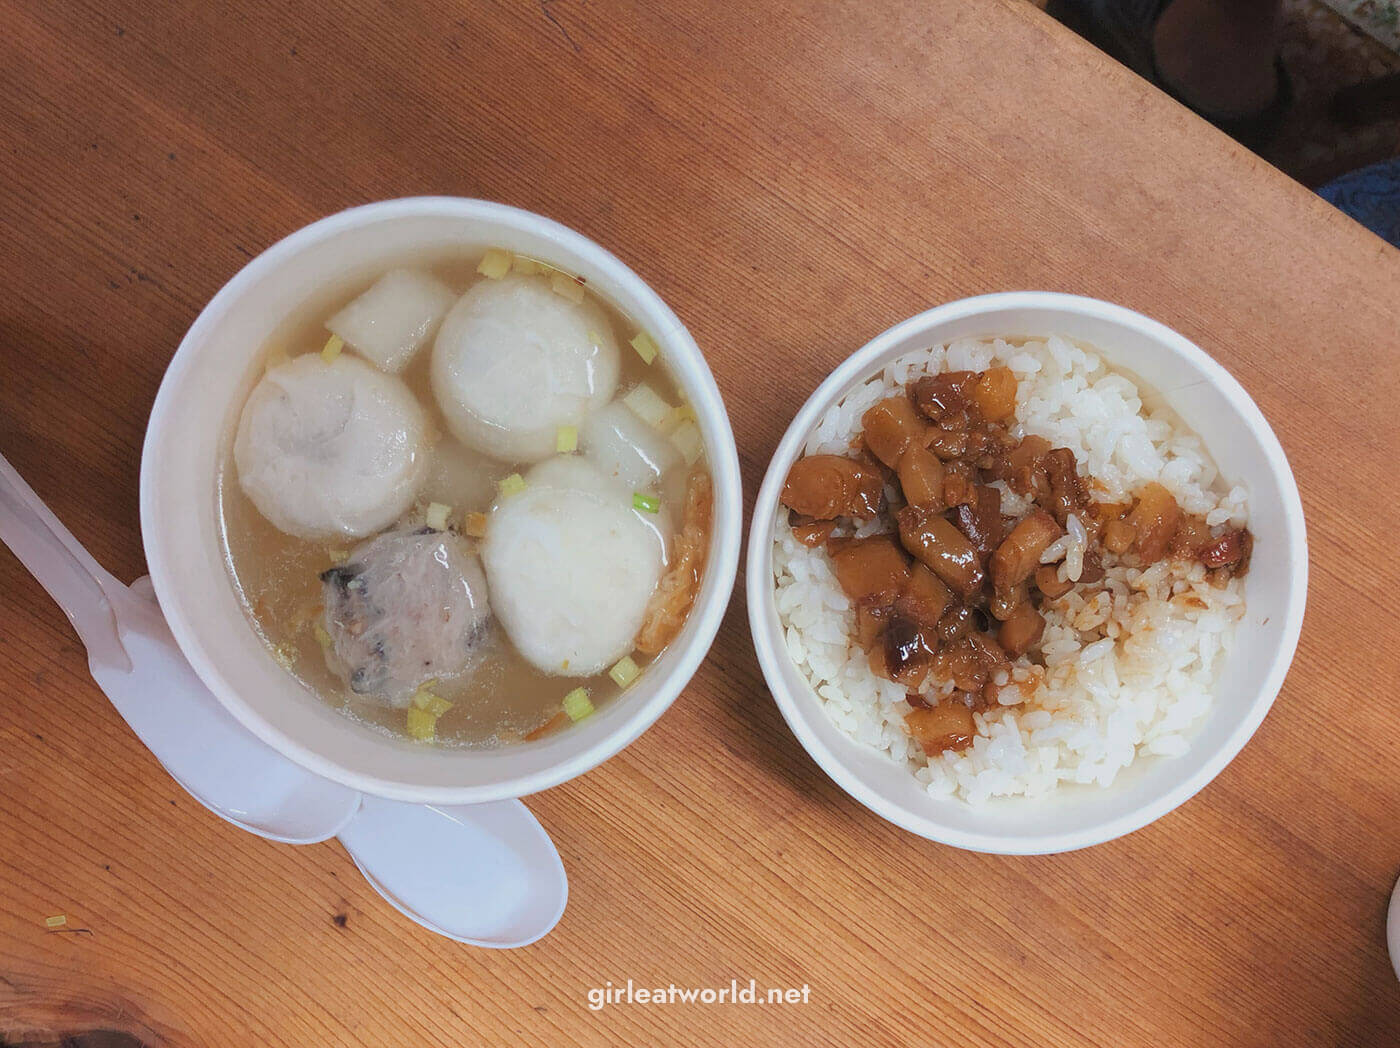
{"type": "Point", "coordinates": [483, 874]}
{"type": "Point", "coordinates": [491, 876]}
{"type": "Point", "coordinates": [135, 661]}
{"type": "Point", "coordinates": [1392, 929]}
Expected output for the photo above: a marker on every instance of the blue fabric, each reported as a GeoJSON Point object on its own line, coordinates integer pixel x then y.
{"type": "Point", "coordinates": [1371, 196]}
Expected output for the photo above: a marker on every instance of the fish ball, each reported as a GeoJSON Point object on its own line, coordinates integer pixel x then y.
{"type": "Point", "coordinates": [514, 361]}
{"type": "Point", "coordinates": [571, 567]}
{"type": "Point", "coordinates": [405, 608]}
{"type": "Point", "coordinates": [330, 449]}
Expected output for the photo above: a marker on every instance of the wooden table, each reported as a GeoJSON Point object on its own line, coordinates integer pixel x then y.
{"type": "Point", "coordinates": [792, 178]}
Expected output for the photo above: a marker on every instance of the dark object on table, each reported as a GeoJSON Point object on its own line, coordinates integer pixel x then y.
{"type": "Point", "coordinates": [1124, 30]}
{"type": "Point", "coordinates": [1371, 196]}
{"type": "Point", "coordinates": [1367, 102]}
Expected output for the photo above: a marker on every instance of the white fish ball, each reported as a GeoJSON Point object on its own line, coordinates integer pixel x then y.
{"type": "Point", "coordinates": [514, 361]}
{"type": "Point", "coordinates": [326, 449]}
{"type": "Point", "coordinates": [571, 567]}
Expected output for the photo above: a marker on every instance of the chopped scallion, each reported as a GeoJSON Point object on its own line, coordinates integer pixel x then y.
{"type": "Point", "coordinates": [56, 921]}
{"type": "Point", "coordinates": [424, 699]}
{"type": "Point", "coordinates": [526, 267]}
{"type": "Point", "coordinates": [625, 672]}
{"type": "Point", "coordinates": [322, 637]}
{"type": "Point", "coordinates": [645, 503]}
{"type": "Point", "coordinates": [437, 516]}
{"type": "Point", "coordinates": [645, 346]}
{"type": "Point", "coordinates": [476, 525]}
{"type": "Point", "coordinates": [332, 348]}
{"type": "Point", "coordinates": [494, 264]}
{"type": "Point", "coordinates": [338, 556]}
{"type": "Point", "coordinates": [421, 724]}
{"type": "Point", "coordinates": [576, 704]}
{"type": "Point", "coordinates": [566, 440]}
{"type": "Point", "coordinates": [512, 485]}
{"type": "Point", "coordinates": [437, 705]}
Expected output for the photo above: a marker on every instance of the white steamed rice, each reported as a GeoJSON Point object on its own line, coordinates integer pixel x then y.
{"type": "Point", "coordinates": [1128, 670]}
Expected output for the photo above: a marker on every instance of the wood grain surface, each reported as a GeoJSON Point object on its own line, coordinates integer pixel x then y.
{"type": "Point", "coordinates": [792, 178]}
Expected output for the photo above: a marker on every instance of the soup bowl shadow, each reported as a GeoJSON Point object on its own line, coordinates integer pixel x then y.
{"type": "Point", "coordinates": [1208, 400]}
{"type": "Point", "coordinates": [189, 435]}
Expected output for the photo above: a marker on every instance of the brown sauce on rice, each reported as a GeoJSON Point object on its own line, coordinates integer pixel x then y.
{"type": "Point", "coordinates": [951, 588]}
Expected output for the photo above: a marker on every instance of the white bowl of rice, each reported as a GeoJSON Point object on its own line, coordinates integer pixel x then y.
{"type": "Point", "coordinates": [1143, 691]}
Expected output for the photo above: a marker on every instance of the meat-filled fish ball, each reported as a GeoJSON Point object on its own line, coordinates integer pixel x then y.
{"type": "Point", "coordinates": [514, 361]}
{"type": "Point", "coordinates": [571, 566]}
{"type": "Point", "coordinates": [407, 607]}
{"type": "Point", "coordinates": [326, 449]}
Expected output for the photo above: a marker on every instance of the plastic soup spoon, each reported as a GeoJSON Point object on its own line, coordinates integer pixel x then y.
{"type": "Point", "coordinates": [1393, 929]}
{"type": "Point", "coordinates": [480, 874]}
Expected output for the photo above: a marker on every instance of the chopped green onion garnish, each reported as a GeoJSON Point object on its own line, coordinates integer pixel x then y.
{"type": "Point", "coordinates": [566, 439]}
{"type": "Point", "coordinates": [625, 672]}
{"type": "Point", "coordinates": [476, 525]}
{"type": "Point", "coordinates": [567, 287]}
{"type": "Point", "coordinates": [576, 704]}
{"type": "Point", "coordinates": [494, 264]}
{"type": "Point", "coordinates": [645, 503]}
{"type": "Point", "coordinates": [424, 699]}
{"type": "Point", "coordinates": [595, 338]}
{"type": "Point", "coordinates": [644, 345]}
{"type": "Point", "coordinates": [322, 637]}
{"type": "Point", "coordinates": [513, 484]}
{"type": "Point", "coordinates": [332, 348]}
{"type": "Point", "coordinates": [56, 921]}
{"type": "Point", "coordinates": [437, 705]}
{"type": "Point", "coordinates": [437, 516]}
{"type": "Point", "coordinates": [421, 724]}
{"type": "Point", "coordinates": [527, 266]}
{"type": "Point", "coordinates": [338, 556]}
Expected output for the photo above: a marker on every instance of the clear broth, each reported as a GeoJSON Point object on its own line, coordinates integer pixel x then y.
{"type": "Point", "coordinates": [500, 698]}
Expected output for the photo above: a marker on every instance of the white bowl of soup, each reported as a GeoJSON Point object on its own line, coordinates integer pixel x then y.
{"type": "Point", "coordinates": [1083, 655]}
{"type": "Point", "coordinates": [441, 500]}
